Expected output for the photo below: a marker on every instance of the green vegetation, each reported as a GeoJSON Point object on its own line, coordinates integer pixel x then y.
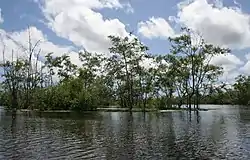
{"type": "Point", "coordinates": [237, 94]}
{"type": "Point", "coordinates": [185, 76]}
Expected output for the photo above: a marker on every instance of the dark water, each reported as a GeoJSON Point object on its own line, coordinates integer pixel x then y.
{"type": "Point", "coordinates": [223, 133]}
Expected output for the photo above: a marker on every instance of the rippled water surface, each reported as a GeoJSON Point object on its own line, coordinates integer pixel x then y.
{"type": "Point", "coordinates": [223, 133]}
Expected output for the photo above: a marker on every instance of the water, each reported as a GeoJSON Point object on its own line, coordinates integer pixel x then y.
{"type": "Point", "coordinates": [223, 133]}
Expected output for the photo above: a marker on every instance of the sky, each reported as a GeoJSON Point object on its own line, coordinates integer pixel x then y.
{"type": "Point", "coordinates": [67, 26]}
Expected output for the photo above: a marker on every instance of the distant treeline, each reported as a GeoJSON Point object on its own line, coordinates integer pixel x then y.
{"type": "Point", "coordinates": [185, 76]}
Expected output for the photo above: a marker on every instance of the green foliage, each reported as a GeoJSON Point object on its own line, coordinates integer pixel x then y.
{"type": "Point", "coordinates": [190, 61]}
{"type": "Point", "coordinates": [127, 76]}
{"type": "Point", "coordinates": [184, 76]}
{"type": "Point", "coordinates": [242, 90]}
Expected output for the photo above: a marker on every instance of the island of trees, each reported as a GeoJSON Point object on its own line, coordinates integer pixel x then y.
{"type": "Point", "coordinates": [183, 77]}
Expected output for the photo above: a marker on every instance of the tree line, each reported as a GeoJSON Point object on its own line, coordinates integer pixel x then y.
{"type": "Point", "coordinates": [183, 77]}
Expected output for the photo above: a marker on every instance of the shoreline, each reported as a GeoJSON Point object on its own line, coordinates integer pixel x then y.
{"type": "Point", "coordinates": [112, 110]}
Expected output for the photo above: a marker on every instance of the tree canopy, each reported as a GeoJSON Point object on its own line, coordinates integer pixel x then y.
{"type": "Point", "coordinates": [184, 76]}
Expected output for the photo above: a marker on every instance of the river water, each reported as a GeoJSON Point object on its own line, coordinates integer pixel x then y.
{"type": "Point", "coordinates": [222, 133]}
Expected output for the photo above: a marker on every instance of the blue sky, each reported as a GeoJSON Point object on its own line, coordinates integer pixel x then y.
{"type": "Point", "coordinates": [70, 25]}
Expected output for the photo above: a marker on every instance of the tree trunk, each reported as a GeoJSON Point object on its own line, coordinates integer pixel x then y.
{"type": "Point", "coordinates": [179, 104]}
{"type": "Point", "coordinates": [14, 102]}
{"type": "Point", "coordinates": [145, 102]}
{"type": "Point", "coordinates": [189, 102]}
{"type": "Point", "coordinates": [197, 101]}
{"type": "Point", "coordinates": [170, 99]}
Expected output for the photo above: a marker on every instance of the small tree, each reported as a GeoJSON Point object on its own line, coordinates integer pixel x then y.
{"type": "Point", "coordinates": [193, 63]}
{"type": "Point", "coordinates": [124, 66]}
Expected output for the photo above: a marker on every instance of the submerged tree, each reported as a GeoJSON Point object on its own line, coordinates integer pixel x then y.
{"type": "Point", "coordinates": [122, 78]}
{"type": "Point", "coordinates": [242, 90]}
{"type": "Point", "coordinates": [20, 73]}
{"type": "Point", "coordinates": [191, 57]}
{"type": "Point", "coordinates": [124, 67]}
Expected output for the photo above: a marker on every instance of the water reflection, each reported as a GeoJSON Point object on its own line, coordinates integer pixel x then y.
{"type": "Point", "coordinates": [218, 134]}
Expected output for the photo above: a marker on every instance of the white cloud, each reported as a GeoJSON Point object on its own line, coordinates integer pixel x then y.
{"type": "Point", "coordinates": [1, 18]}
{"type": "Point", "coordinates": [220, 25]}
{"type": "Point", "coordinates": [237, 4]}
{"type": "Point", "coordinates": [79, 21]}
{"type": "Point", "coordinates": [229, 77]}
{"type": "Point", "coordinates": [246, 68]}
{"type": "Point", "coordinates": [227, 61]}
{"type": "Point", "coordinates": [129, 8]}
{"type": "Point", "coordinates": [18, 43]}
{"type": "Point", "coordinates": [155, 28]}
{"type": "Point", "coordinates": [230, 64]}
